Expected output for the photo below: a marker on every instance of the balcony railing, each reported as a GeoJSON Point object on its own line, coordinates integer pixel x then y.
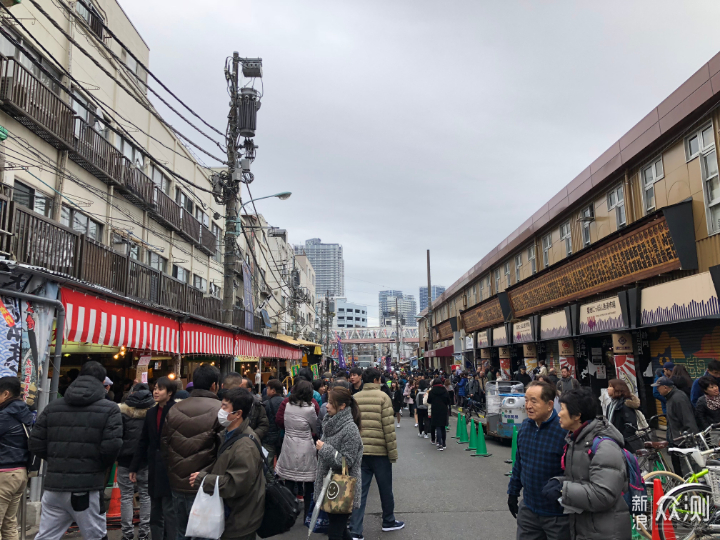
{"type": "Point", "coordinates": [7, 219]}
{"type": "Point", "coordinates": [95, 154]}
{"type": "Point", "coordinates": [34, 105]}
{"type": "Point", "coordinates": [189, 227]}
{"type": "Point", "coordinates": [165, 211]}
{"type": "Point", "coordinates": [136, 185]}
{"type": "Point", "coordinates": [143, 282]}
{"type": "Point", "coordinates": [39, 241]}
{"type": "Point", "coordinates": [104, 267]}
{"type": "Point", "coordinates": [208, 242]}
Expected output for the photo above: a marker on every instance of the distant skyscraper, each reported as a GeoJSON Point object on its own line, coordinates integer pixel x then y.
{"type": "Point", "coordinates": [383, 304]}
{"type": "Point", "coordinates": [327, 261]}
{"type": "Point", "coordinates": [437, 290]}
{"type": "Point", "coordinates": [406, 307]}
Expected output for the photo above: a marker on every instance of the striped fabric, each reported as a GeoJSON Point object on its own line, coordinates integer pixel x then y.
{"type": "Point", "coordinates": [203, 339]}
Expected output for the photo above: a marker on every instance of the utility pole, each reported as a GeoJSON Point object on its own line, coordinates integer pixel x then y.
{"type": "Point", "coordinates": [430, 311]}
{"type": "Point", "coordinates": [397, 329]}
{"type": "Point", "coordinates": [327, 320]}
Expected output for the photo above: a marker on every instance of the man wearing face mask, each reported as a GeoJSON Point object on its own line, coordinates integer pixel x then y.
{"type": "Point", "coordinates": [190, 440]}
{"type": "Point", "coordinates": [238, 468]}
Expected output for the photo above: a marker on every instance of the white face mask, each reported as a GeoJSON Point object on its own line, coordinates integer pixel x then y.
{"type": "Point", "coordinates": [223, 418]}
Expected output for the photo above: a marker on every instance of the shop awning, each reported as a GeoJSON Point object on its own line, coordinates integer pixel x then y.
{"type": "Point", "coordinates": [89, 319]}
{"type": "Point", "coordinates": [316, 347]}
{"type": "Point", "coordinates": [261, 348]}
{"type": "Point", "coordinates": [204, 339]}
{"type": "Point", "coordinates": [288, 339]}
{"type": "Point", "coordinates": [443, 351]}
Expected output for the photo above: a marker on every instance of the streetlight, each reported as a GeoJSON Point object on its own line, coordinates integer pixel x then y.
{"type": "Point", "coordinates": [284, 195]}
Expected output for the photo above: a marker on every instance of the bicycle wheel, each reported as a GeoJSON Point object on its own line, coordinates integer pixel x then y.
{"type": "Point", "coordinates": [668, 480]}
{"type": "Point", "coordinates": [689, 514]}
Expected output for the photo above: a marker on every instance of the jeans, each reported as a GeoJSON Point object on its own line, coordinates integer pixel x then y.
{"type": "Point", "coordinates": [57, 515]}
{"type": "Point", "coordinates": [422, 419]}
{"type": "Point", "coordinates": [338, 527]}
{"type": "Point", "coordinates": [127, 493]}
{"type": "Point", "coordinates": [440, 434]}
{"type": "Point", "coordinates": [162, 518]}
{"type": "Point", "coordinates": [381, 468]}
{"type": "Point", "coordinates": [182, 503]}
{"type": "Point", "coordinates": [531, 526]}
{"type": "Point", "coordinates": [12, 489]}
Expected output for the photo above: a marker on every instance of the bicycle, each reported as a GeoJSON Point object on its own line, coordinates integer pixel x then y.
{"type": "Point", "coordinates": [473, 407]}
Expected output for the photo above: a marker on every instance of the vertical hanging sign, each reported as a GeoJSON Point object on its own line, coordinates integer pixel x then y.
{"type": "Point", "coordinates": [625, 360]}
{"type": "Point", "coordinates": [10, 336]}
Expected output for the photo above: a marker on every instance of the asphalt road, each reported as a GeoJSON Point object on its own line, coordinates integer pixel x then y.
{"type": "Point", "coordinates": [438, 494]}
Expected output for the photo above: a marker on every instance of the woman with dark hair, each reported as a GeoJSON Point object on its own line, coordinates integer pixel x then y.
{"type": "Point", "coordinates": [595, 471]}
{"type": "Point", "coordinates": [439, 401]}
{"type": "Point", "coordinates": [422, 409]}
{"type": "Point", "coordinates": [707, 409]}
{"type": "Point", "coordinates": [297, 464]}
{"type": "Point", "coordinates": [681, 378]}
{"type": "Point", "coordinates": [341, 439]}
{"type": "Point", "coordinates": [619, 414]}
{"type": "Point", "coordinates": [396, 396]}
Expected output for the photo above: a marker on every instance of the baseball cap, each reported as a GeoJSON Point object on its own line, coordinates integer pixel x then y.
{"type": "Point", "coordinates": [107, 382]}
{"type": "Point", "coordinates": [669, 365]}
{"type": "Point", "coordinates": [664, 381]}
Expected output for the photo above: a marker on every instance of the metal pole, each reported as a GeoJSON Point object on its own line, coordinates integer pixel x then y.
{"type": "Point", "coordinates": [397, 329]}
{"type": "Point", "coordinates": [430, 310]}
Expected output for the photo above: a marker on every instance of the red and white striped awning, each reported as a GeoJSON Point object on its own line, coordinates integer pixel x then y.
{"type": "Point", "coordinates": [262, 348]}
{"type": "Point", "coordinates": [203, 339]}
{"type": "Point", "coordinates": [88, 319]}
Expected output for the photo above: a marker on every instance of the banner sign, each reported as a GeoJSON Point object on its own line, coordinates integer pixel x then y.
{"type": "Point", "coordinates": [522, 332]}
{"type": "Point", "coordinates": [601, 316]}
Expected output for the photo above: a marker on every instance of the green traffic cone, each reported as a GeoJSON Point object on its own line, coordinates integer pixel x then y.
{"type": "Point", "coordinates": [514, 446]}
{"type": "Point", "coordinates": [473, 436]}
{"type": "Point", "coordinates": [481, 446]}
{"type": "Point", "coordinates": [457, 431]}
{"type": "Point", "coordinates": [463, 433]}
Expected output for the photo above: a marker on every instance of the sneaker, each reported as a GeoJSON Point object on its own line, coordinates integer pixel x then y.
{"type": "Point", "coordinates": [420, 434]}
{"type": "Point", "coordinates": [441, 448]}
{"type": "Point", "coordinates": [444, 447]}
{"type": "Point", "coordinates": [397, 425]}
{"type": "Point", "coordinates": [358, 538]}
{"type": "Point", "coordinates": [394, 527]}
{"type": "Point", "coordinates": [426, 435]}
{"type": "Point", "coordinates": [416, 425]}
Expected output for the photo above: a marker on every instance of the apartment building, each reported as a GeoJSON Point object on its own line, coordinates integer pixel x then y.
{"type": "Point", "coordinates": [437, 290]}
{"type": "Point", "coordinates": [616, 273]}
{"type": "Point", "coordinates": [329, 265]}
{"type": "Point", "coordinates": [349, 314]}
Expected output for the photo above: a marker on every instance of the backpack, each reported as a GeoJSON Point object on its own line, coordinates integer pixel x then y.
{"type": "Point", "coordinates": [636, 482]}
{"type": "Point", "coordinates": [281, 506]}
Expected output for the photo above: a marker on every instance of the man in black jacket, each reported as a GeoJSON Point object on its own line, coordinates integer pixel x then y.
{"type": "Point", "coordinates": [134, 411]}
{"type": "Point", "coordinates": [15, 423]}
{"type": "Point", "coordinates": [80, 436]}
{"type": "Point", "coordinates": [273, 400]}
{"type": "Point", "coordinates": [680, 415]}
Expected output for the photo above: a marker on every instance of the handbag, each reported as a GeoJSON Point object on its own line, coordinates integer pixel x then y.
{"type": "Point", "coordinates": [340, 493]}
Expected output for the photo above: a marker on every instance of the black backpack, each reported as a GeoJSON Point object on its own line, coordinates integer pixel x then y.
{"type": "Point", "coordinates": [281, 506]}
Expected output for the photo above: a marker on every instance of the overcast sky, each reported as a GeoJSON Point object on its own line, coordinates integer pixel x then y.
{"type": "Point", "coordinates": [406, 125]}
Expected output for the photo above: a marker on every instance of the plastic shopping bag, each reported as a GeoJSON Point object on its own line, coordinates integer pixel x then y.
{"type": "Point", "coordinates": [323, 521]}
{"type": "Point", "coordinates": [207, 516]}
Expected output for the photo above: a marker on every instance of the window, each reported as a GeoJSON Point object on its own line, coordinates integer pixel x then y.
{"type": "Point", "coordinates": [518, 264]}
{"type": "Point", "coordinates": [497, 281]}
{"type": "Point", "coordinates": [546, 245]}
{"type": "Point", "coordinates": [531, 259]}
{"type": "Point", "coordinates": [200, 283]}
{"type": "Point", "coordinates": [482, 289]}
{"type": "Point", "coordinates": [88, 12]}
{"type": "Point", "coordinates": [363, 312]}
{"type": "Point", "coordinates": [215, 290]}
{"type": "Point", "coordinates": [81, 223]}
{"type": "Point", "coordinates": [341, 318]}
{"type": "Point", "coordinates": [32, 199]}
{"type": "Point", "coordinates": [586, 216]}
{"type": "Point", "coordinates": [709, 165]}
{"type": "Point", "coordinates": [616, 200]}
{"type": "Point", "coordinates": [566, 235]}
{"type": "Point", "coordinates": [133, 154]}
{"type": "Point", "coordinates": [184, 201]}
{"type": "Point", "coordinates": [651, 174]}
{"type": "Point", "coordinates": [159, 179]}
{"type": "Point", "coordinates": [507, 274]}
{"type": "Point", "coordinates": [699, 142]}
{"type": "Point", "coordinates": [134, 251]}
{"type": "Point", "coordinates": [218, 239]}
{"type": "Point", "coordinates": [202, 217]}
{"type": "Point", "coordinates": [178, 272]}
{"type": "Point", "coordinates": [357, 318]}
{"type": "Point", "coordinates": [157, 262]}
{"type": "Point", "coordinates": [31, 59]}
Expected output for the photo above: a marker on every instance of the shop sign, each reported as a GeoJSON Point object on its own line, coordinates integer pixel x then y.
{"type": "Point", "coordinates": [601, 316]}
{"type": "Point", "coordinates": [647, 251]}
{"type": "Point", "coordinates": [482, 339]}
{"type": "Point", "coordinates": [499, 336]}
{"type": "Point", "coordinates": [554, 325]}
{"type": "Point", "coordinates": [469, 345]}
{"type": "Point", "coordinates": [529, 351]}
{"type": "Point", "coordinates": [566, 347]}
{"type": "Point", "coordinates": [443, 331]}
{"type": "Point", "coordinates": [522, 332]}
{"type": "Point", "coordinates": [504, 352]}
{"type": "Point", "coordinates": [485, 354]}
{"type": "Point", "coordinates": [622, 343]}
{"type": "Point", "coordinates": [482, 316]}
{"type": "Point", "coordinates": [684, 299]}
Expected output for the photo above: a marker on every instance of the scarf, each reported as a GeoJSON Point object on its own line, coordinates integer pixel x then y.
{"type": "Point", "coordinates": [333, 424]}
{"type": "Point", "coordinates": [713, 402]}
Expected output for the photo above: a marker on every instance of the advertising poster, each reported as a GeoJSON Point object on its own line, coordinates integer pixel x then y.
{"type": "Point", "coordinates": [625, 371]}
{"type": "Point", "coordinates": [568, 362]}
{"type": "Point", "coordinates": [10, 336]}
{"type": "Point", "coordinates": [504, 353]}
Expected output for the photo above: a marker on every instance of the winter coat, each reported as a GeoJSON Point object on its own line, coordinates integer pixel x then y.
{"type": "Point", "coordinates": [524, 378]}
{"type": "Point", "coordinates": [439, 400]}
{"type": "Point", "coordinates": [280, 416]}
{"type": "Point", "coordinates": [462, 387]}
{"type": "Point", "coordinates": [13, 437]}
{"type": "Point", "coordinates": [80, 436]}
{"type": "Point", "coordinates": [680, 414]}
{"type": "Point", "coordinates": [620, 417]}
{"type": "Point", "coordinates": [133, 417]}
{"type": "Point", "coordinates": [238, 470]}
{"type": "Point", "coordinates": [595, 485]}
{"type": "Point", "coordinates": [378, 422]}
{"type": "Point", "coordinates": [272, 437]}
{"type": "Point", "coordinates": [148, 453]}
{"type": "Point", "coordinates": [297, 460]}
{"type": "Point", "coordinates": [419, 399]}
{"type": "Point", "coordinates": [682, 384]}
{"type": "Point", "coordinates": [704, 415]}
{"type": "Point", "coordinates": [407, 398]}
{"type": "Point", "coordinates": [565, 384]}
{"type": "Point", "coordinates": [342, 438]}
{"type": "Point", "coordinates": [397, 400]}
{"type": "Point", "coordinates": [189, 440]}
{"type": "Point", "coordinates": [473, 387]}
{"type": "Point", "coordinates": [258, 419]}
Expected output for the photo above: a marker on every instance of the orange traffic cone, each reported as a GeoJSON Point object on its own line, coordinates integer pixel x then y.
{"type": "Point", "coordinates": [114, 507]}
{"type": "Point", "coordinates": [659, 521]}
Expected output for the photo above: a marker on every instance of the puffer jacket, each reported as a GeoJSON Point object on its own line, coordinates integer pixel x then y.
{"type": "Point", "coordinates": [272, 405]}
{"type": "Point", "coordinates": [13, 438]}
{"type": "Point", "coordinates": [238, 470]}
{"type": "Point", "coordinates": [258, 419]}
{"type": "Point", "coordinates": [342, 438]}
{"type": "Point", "coordinates": [80, 436]}
{"type": "Point", "coordinates": [133, 417]}
{"type": "Point", "coordinates": [595, 485]}
{"type": "Point", "coordinates": [190, 438]}
{"type": "Point", "coordinates": [298, 460]}
{"type": "Point", "coordinates": [378, 422]}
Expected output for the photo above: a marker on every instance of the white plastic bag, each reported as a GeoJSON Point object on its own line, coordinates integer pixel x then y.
{"type": "Point", "coordinates": [207, 516]}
